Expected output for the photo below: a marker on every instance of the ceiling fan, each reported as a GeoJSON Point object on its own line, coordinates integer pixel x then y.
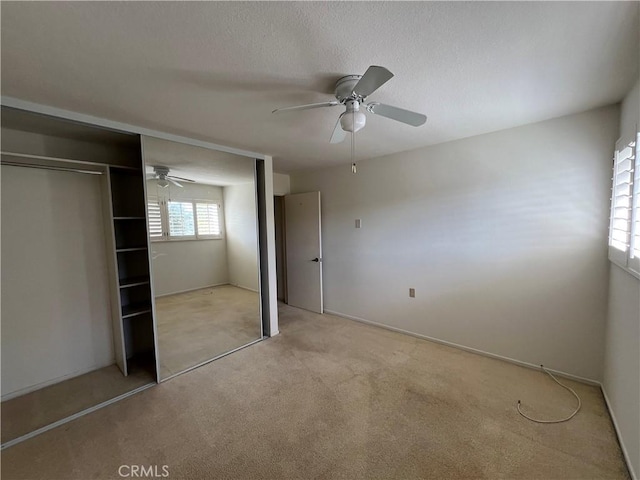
{"type": "Point", "coordinates": [161, 174]}
{"type": "Point", "coordinates": [352, 91]}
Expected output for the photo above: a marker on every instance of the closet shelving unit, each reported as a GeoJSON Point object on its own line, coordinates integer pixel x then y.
{"type": "Point", "coordinates": [131, 267]}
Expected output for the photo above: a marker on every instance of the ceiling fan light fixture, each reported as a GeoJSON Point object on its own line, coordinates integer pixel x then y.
{"type": "Point", "coordinates": [351, 92]}
{"type": "Point", "coordinates": [162, 183]}
{"type": "Point", "coordinates": [353, 121]}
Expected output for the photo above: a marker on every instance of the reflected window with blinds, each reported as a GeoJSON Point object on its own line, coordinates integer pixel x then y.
{"type": "Point", "coordinates": [624, 230]}
{"type": "Point", "coordinates": [154, 213]}
{"type": "Point", "coordinates": [183, 220]}
{"type": "Point", "coordinates": [208, 220]}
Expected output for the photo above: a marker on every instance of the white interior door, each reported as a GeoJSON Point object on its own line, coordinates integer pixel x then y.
{"type": "Point", "coordinates": [304, 250]}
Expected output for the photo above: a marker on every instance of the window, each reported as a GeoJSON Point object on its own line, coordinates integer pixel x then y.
{"type": "Point", "coordinates": [207, 219]}
{"type": "Point", "coordinates": [624, 230]}
{"type": "Point", "coordinates": [155, 218]}
{"type": "Point", "coordinates": [183, 219]}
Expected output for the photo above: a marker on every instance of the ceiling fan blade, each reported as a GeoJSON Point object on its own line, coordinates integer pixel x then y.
{"type": "Point", "coordinates": [151, 176]}
{"type": "Point", "coordinates": [372, 80]}
{"type": "Point", "coordinates": [174, 182]}
{"type": "Point", "coordinates": [306, 107]}
{"type": "Point", "coordinates": [338, 134]}
{"type": "Point", "coordinates": [181, 179]}
{"type": "Point", "coordinates": [399, 114]}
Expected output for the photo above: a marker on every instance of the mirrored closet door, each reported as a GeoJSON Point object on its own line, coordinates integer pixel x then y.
{"type": "Point", "coordinates": [201, 206]}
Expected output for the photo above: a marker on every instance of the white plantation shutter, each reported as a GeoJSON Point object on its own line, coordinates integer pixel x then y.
{"type": "Point", "coordinates": [621, 199]}
{"type": "Point", "coordinates": [208, 219]}
{"type": "Point", "coordinates": [634, 244]}
{"type": "Point", "coordinates": [184, 219]}
{"type": "Point", "coordinates": [624, 231]}
{"type": "Point", "coordinates": [181, 219]}
{"type": "Point", "coordinates": [155, 218]}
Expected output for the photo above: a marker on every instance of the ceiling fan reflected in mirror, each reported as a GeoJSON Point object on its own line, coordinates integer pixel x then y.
{"type": "Point", "coordinates": [351, 92]}
{"type": "Point", "coordinates": [161, 174]}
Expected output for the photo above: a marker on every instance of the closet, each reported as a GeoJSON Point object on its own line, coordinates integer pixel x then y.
{"type": "Point", "coordinates": [37, 141]}
{"type": "Point", "coordinates": [119, 288]}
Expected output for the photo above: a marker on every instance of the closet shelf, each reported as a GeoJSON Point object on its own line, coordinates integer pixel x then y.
{"type": "Point", "coordinates": [131, 249]}
{"type": "Point", "coordinates": [125, 167]}
{"type": "Point", "coordinates": [135, 309]}
{"type": "Point", "coordinates": [133, 281]}
{"type": "Point", "coordinates": [47, 158]}
{"type": "Point", "coordinates": [121, 214]}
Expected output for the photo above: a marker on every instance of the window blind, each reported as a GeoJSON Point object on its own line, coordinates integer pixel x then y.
{"type": "Point", "coordinates": [208, 219]}
{"type": "Point", "coordinates": [155, 218]}
{"type": "Point", "coordinates": [634, 244]}
{"type": "Point", "coordinates": [624, 231]}
{"type": "Point", "coordinates": [621, 202]}
{"type": "Point", "coordinates": [181, 219]}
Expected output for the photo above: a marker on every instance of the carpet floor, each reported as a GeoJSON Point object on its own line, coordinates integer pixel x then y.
{"type": "Point", "coordinates": [26, 413]}
{"type": "Point", "coordinates": [331, 398]}
{"type": "Point", "coordinates": [196, 326]}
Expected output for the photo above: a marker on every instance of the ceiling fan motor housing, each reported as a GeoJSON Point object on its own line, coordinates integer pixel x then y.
{"type": "Point", "coordinates": [161, 171]}
{"type": "Point", "coordinates": [344, 87]}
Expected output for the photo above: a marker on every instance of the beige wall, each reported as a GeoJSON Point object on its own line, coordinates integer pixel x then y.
{"type": "Point", "coordinates": [281, 184]}
{"type": "Point", "coordinates": [182, 265]}
{"type": "Point", "coordinates": [503, 236]}
{"type": "Point", "coordinates": [622, 351]}
{"type": "Point", "coordinates": [241, 233]}
{"type": "Point", "coordinates": [56, 319]}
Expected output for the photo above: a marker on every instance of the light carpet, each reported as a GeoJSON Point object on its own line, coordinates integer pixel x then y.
{"type": "Point", "coordinates": [34, 410]}
{"type": "Point", "coordinates": [196, 326]}
{"type": "Point", "coordinates": [331, 398]}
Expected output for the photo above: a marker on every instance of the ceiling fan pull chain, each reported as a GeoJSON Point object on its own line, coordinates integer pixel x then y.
{"type": "Point", "coordinates": [353, 148]}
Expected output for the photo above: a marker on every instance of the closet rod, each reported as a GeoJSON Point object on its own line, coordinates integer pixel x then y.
{"type": "Point", "coordinates": [45, 167]}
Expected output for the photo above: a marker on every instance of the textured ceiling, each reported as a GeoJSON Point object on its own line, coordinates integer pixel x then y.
{"type": "Point", "coordinates": [216, 70]}
{"type": "Point", "coordinates": [199, 164]}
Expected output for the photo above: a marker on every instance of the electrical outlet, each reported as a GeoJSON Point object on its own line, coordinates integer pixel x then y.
{"type": "Point", "coordinates": [412, 292]}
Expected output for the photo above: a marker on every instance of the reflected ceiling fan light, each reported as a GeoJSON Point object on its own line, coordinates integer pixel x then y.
{"type": "Point", "coordinates": [162, 183]}
{"type": "Point", "coordinates": [353, 121]}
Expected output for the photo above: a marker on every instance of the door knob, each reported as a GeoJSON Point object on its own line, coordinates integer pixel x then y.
{"type": "Point", "coordinates": [316, 260]}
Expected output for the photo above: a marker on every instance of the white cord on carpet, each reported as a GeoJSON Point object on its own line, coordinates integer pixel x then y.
{"type": "Point", "coordinates": [563, 386]}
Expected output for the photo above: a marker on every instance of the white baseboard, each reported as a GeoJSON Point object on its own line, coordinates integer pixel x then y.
{"type": "Point", "coordinates": [53, 381]}
{"type": "Point", "coordinates": [192, 289]}
{"type": "Point", "coordinates": [625, 452]}
{"type": "Point", "coordinates": [463, 347]}
{"type": "Point", "coordinates": [244, 288]}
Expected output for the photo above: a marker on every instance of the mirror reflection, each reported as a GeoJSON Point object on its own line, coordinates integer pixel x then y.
{"type": "Point", "coordinates": [204, 242]}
